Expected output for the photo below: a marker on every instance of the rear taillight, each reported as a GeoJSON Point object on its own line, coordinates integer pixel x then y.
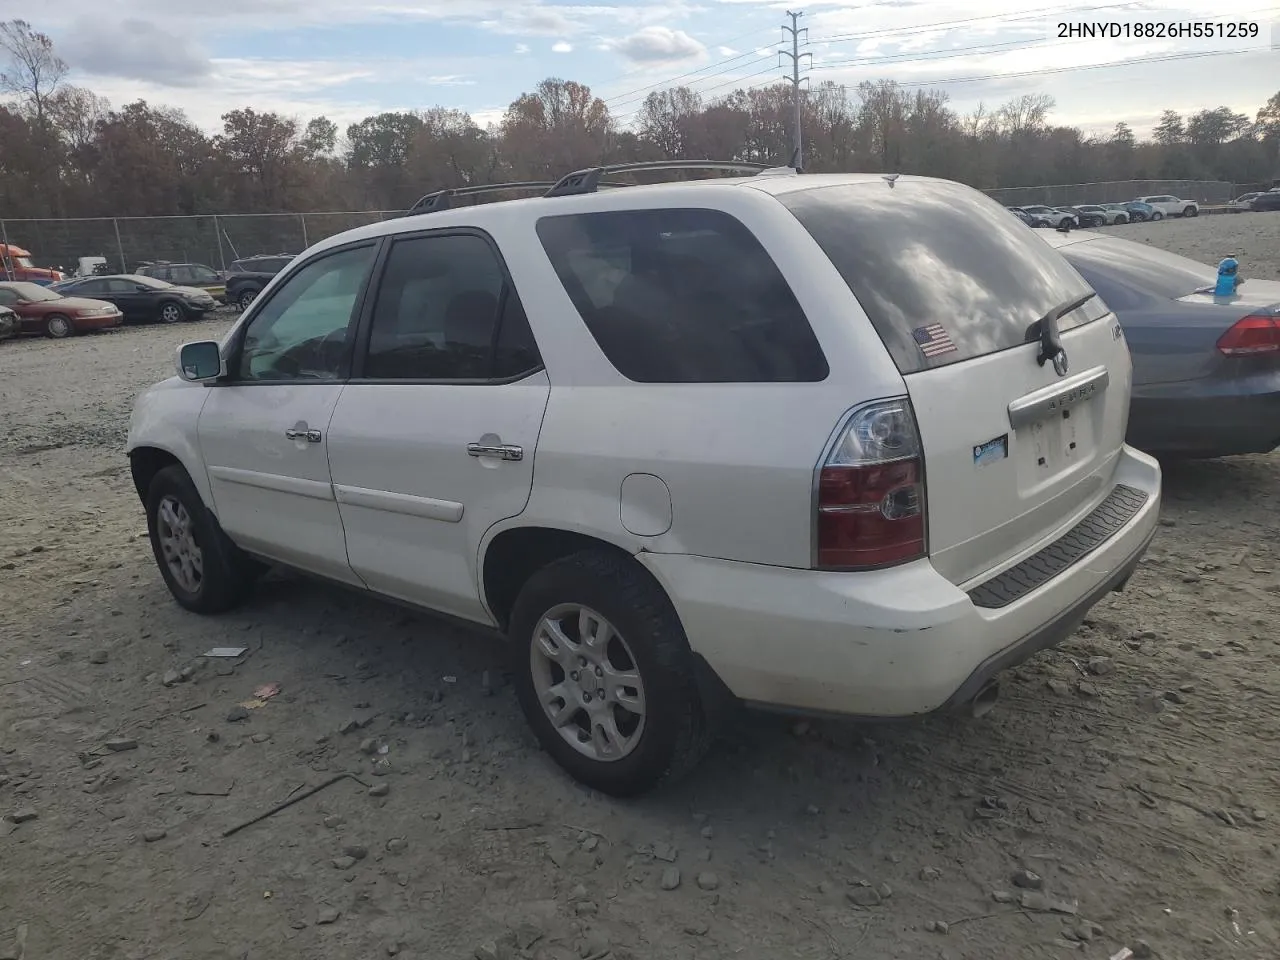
{"type": "Point", "coordinates": [1252, 335]}
{"type": "Point", "coordinates": [871, 497]}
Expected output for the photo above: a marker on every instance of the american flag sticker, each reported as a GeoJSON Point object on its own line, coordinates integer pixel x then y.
{"type": "Point", "coordinates": [933, 340]}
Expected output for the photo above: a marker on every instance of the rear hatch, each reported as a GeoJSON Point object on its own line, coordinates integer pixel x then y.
{"type": "Point", "coordinates": [1015, 450]}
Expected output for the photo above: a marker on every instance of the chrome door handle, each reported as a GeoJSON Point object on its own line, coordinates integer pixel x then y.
{"type": "Point", "coordinates": [311, 436]}
{"type": "Point", "coordinates": [503, 451]}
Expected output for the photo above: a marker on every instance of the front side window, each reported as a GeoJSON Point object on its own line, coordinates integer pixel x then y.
{"type": "Point", "coordinates": [89, 286]}
{"type": "Point", "coordinates": [682, 296]}
{"type": "Point", "coordinates": [303, 331]}
{"type": "Point", "coordinates": [445, 311]}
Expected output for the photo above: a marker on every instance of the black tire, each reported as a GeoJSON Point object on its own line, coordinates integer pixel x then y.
{"type": "Point", "coordinates": [246, 297]}
{"type": "Point", "coordinates": [227, 572]}
{"type": "Point", "coordinates": [171, 311]}
{"type": "Point", "coordinates": [1157, 216]}
{"type": "Point", "coordinates": [1190, 212]}
{"type": "Point", "coordinates": [676, 733]}
{"type": "Point", "coordinates": [58, 326]}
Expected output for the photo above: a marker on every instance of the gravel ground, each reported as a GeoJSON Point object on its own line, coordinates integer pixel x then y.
{"type": "Point", "coordinates": [1123, 793]}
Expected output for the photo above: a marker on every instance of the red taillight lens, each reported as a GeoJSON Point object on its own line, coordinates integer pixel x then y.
{"type": "Point", "coordinates": [1252, 335]}
{"type": "Point", "coordinates": [871, 496]}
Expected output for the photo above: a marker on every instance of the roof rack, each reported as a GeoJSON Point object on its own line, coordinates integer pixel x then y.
{"type": "Point", "coordinates": [588, 181]}
{"type": "Point", "coordinates": [440, 199]}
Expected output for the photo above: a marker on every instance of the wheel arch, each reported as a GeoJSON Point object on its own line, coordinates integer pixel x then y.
{"type": "Point", "coordinates": [511, 556]}
{"type": "Point", "coordinates": [148, 459]}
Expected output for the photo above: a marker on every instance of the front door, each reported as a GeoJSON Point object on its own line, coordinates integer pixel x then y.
{"type": "Point", "coordinates": [264, 431]}
{"type": "Point", "coordinates": [433, 439]}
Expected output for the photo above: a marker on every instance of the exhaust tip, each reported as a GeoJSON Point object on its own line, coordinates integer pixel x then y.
{"type": "Point", "coordinates": [985, 701]}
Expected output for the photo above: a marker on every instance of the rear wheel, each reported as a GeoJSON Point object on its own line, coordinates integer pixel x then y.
{"type": "Point", "coordinates": [1190, 212]}
{"type": "Point", "coordinates": [57, 326]}
{"type": "Point", "coordinates": [203, 569]}
{"type": "Point", "coordinates": [172, 312]}
{"type": "Point", "coordinates": [246, 297]}
{"type": "Point", "coordinates": [604, 674]}
{"type": "Point", "coordinates": [1157, 216]}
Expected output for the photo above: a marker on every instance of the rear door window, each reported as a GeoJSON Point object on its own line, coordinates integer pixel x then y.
{"type": "Point", "coordinates": [682, 296]}
{"type": "Point", "coordinates": [942, 271]}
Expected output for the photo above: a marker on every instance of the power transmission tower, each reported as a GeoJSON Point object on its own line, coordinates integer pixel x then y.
{"type": "Point", "coordinates": [797, 153]}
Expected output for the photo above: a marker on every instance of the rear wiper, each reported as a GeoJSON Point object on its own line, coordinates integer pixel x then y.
{"type": "Point", "coordinates": [1046, 328]}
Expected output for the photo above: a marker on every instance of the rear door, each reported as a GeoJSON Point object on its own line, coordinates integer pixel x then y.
{"type": "Point", "coordinates": [433, 439]}
{"type": "Point", "coordinates": [1015, 449]}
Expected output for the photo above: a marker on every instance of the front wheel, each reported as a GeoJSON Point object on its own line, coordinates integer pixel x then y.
{"type": "Point", "coordinates": [203, 569]}
{"type": "Point", "coordinates": [172, 312]}
{"type": "Point", "coordinates": [1157, 216]}
{"type": "Point", "coordinates": [604, 674]}
{"type": "Point", "coordinates": [57, 326]}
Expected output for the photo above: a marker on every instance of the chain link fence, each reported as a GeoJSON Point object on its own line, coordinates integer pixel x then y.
{"type": "Point", "coordinates": [217, 241]}
{"type": "Point", "coordinates": [1114, 191]}
{"type": "Point", "coordinates": [126, 242]}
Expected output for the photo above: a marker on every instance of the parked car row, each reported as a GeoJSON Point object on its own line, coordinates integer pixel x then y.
{"type": "Point", "coordinates": [1106, 214]}
{"type": "Point", "coordinates": [1256, 202]}
{"type": "Point", "coordinates": [86, 304]}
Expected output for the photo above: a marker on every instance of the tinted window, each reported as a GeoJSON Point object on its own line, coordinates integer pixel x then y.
{"type": "Point", "coordinates": [177, 275]}
{"type": "Point", "coordinates": [123, 286]}
{"type": "Point", "coordinates": [201, 274]}
{"type": "Point", "coordinates": [438, 310]}
{"type": "Point", "coordinates": [88, 287]}
{"type": "Point", "coordinates": [682, 296]}
{"type": "Point", "coordinates": [8, 297]}
{"type": "Point", "coordinates": [302, 332]}
{"type": "Point", "coordinates": [924, 255]}
{"type": "Point", "coordinates": [1138, 269]}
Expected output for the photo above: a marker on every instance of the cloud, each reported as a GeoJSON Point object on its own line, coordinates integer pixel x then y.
{"type": "Point", "coordinates": [562, 47]}
{"type": "Point", "coordinates": [533, 21]}
{"type": "Point", "coordinates": [658, 45]}
{"type": "Point", "coordinates": [522, 49]}
{"type": "Point", "coordinates": [134, 50]}
{"type": "Point", "coordinates": [726, 51]}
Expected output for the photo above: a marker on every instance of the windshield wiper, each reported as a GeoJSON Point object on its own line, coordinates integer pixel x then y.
{"type": "Point", "coordinates": [1046, 328]}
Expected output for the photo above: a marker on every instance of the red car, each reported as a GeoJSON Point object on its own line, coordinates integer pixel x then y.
{"type": "Point", "coordinates": [41, 310]}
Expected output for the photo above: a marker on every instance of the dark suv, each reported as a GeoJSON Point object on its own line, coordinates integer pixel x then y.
{"type": "Point", "coordinates": [247, 277]}
{"type": "Point", "coordinates": [186, 275]}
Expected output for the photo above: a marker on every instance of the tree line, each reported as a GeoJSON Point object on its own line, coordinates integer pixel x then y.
{"type": "Point", "coordinates": [66, 152]}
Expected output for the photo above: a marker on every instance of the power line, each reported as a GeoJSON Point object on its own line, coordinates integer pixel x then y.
{"type": "Point", "coordinates": [914, 30]}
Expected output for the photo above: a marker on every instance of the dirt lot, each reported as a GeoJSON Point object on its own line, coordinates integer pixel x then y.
{"type": "Point", "coordinates": [1133, 771]}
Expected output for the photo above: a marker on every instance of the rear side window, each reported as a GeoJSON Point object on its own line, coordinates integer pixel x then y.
{"type": "Point", "coordinates": [944, 273]}
{"type": "Point", "coordinates": [1123, 264]}
{"type": "Point", "coordinates": [682, 296]}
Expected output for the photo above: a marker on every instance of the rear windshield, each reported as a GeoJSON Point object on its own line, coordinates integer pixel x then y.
{"type": "Point", "coordinates": [944, 273]}
{"type": "Point", "coordinates": [1122, 263]}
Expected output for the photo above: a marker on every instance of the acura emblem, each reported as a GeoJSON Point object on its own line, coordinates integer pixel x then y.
{"type": "Point", "coordinates": [1060, 363]}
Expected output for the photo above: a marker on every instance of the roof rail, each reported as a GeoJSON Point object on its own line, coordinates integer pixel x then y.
{"type": "Point", "coordinates": [440, 199]}
{"type": "Point", "coordinates": [588, 181]}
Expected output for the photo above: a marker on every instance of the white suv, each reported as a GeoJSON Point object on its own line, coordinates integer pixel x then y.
{"type": "Point", "coordinates": [839, 444]}
{"type": "Point", "coordinates": [1171, 206]}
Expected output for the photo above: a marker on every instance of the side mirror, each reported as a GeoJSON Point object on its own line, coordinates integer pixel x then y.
{"type": "Point", "coordinates": [141, 287]}
{"type": "Point", "coordinates": [200, 361]}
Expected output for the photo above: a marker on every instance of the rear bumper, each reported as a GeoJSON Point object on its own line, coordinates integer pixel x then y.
{"type": "Point", "coordinates": [1208, 424]}
{"type": "Point", "coordinates": [887, 643]}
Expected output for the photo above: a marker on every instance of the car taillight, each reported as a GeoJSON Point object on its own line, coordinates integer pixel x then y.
{"type": "Point", "coordinates": [1252, 335]}
{"type": "Point", "coordinates": [871, 496]}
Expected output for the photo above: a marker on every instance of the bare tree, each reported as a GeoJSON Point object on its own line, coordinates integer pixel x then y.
{"type": "Point", "coordinates": [33, 71]}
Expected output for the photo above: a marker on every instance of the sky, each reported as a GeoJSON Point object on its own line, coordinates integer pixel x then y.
{"type": "Point", "coordinates": [347, 59]}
